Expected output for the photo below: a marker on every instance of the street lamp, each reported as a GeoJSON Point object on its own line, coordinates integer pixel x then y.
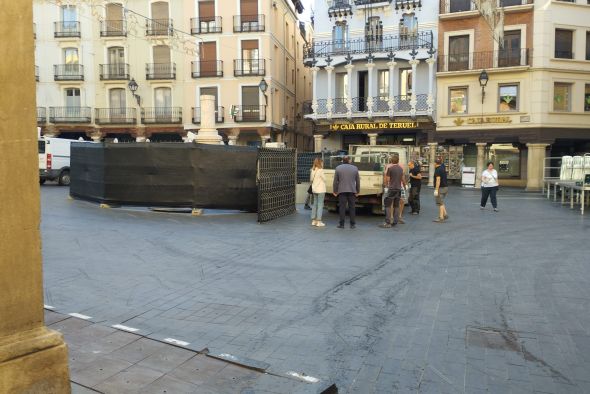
{"type": "Point", "coordinates": [133, 87]}
{"type": "Point", "coordinates": [483, 81]}
{"type": "Point", "coordinates": [263, 86]}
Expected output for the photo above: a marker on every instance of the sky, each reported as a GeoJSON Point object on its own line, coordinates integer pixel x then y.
{"type": "Point", "coordinates": [307, 11]}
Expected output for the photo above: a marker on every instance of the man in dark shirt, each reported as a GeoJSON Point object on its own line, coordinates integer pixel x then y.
{"type": "Point", "coordinates": [347, 186]}
{"type": "Point", "coordinates": [440, 190]}
{"type": "Point", "coordinates": [394, 178]}
{"type": "Point", "coordinates": [416, 185]}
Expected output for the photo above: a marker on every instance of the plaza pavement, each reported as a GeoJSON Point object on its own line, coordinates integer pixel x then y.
{"type": "Point", "coordinates": [486, 302]}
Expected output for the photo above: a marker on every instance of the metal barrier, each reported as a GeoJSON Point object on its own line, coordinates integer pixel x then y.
{"type": "Point", "coordinates": [304, 164]}
{"type": "Point", "coordinates": [276, 181]}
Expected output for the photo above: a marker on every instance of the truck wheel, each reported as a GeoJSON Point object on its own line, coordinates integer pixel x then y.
{"type": "Point", "coordinates": [64, 178]}
{"type": "Point", "coordinates": [41, 181]}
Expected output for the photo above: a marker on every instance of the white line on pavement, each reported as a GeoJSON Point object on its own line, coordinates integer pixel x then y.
{"type": "Point", "coordinates": [48, 307]}
{"type": "Point", "coordinates": [125, 328]}
{"type": "Point", "coordinates": [303, 377]}
{"type": "Point", "coordinates": [80, 316]}
{"type": "Point", "coordinates": [176, 342]}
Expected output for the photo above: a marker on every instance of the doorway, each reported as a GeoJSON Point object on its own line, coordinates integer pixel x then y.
{"type": "Point", "coordinates": [363, 90]}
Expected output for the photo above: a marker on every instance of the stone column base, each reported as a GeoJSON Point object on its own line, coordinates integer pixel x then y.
{"type": "Point", "coordinates": [34, 361]}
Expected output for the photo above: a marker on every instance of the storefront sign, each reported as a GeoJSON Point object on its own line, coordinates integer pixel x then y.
{"type": "Point", "coordinates": [372, 126]}
{"type": "Point", "coordinates": [482, 120]}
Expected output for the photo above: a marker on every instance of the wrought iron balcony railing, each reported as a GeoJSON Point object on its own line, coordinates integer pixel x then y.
{"type": "Point", "coordinates": [206, 25]}
{"type": "Point", "coordinates": [66, 29]}
{"type": "Point", "coordinates": [115, 116]}
{"type": "Point", "coordinates": [159, 27]}
{"type": "Point", "coordinates": [248, 67]}
{"type": "Point", "coordinates": [70, 114]}
{"type": "Point", "coordinates": [207, 68]}
{"type": "Point", "coordinates": [219, 115]}
{"type": "Point", "coordinates": [117, 71]}
{"type": "Point", "coordinates": [41, 115]}
{"type": "Point", "coordinates": [161, 115]}
{"type": "Point", "coordinates": [113, 28]}
{"type": "Point", "coordinates": [564, 54]}
{"type": "Point", "coordinates": [160, 71]}
{"type": "Point", "coordinates": [248, 23]}
{"type": "Point", "coordinates": [481, 60]}
{"type": "Point", "coordinates": [361, 45]}
{"type": "Point", "coordinates": [453, 6]}
{"type": "Point", "coordinates": [249, 113]}
{"type": "Point", "coordinates": [359, 105]}
{"type": "Point", "coordinates": [68, 72]}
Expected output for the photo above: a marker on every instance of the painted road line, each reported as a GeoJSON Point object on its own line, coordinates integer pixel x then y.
{"type": "Point", "coordinates": [80, 316]}
{"type": "Point", "coordinates": [125, 328]}
{"type": "Point", "coordinates": [48, 307]}
{"type": "Point", "coordinates": [176, 342]}
{"type": "Point", "coordinates": [301, 376]}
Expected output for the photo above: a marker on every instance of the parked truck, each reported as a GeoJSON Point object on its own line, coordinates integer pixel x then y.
{"type": "Point", "coordinates": [54, 160]}
{"type": "Point", "coordinates": [371, 161]}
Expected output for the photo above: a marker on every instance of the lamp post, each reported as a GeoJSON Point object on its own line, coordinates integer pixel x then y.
{"type": "Point", "coordinates": [140, 133]}
{"type": "Point", "coordinates": [483, 81]}
{"type": "Point", "coordinates": [263, 86]}
{"type": "Point", "coordinates": [133, 87]}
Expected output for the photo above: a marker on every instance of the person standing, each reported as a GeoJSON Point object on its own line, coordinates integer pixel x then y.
{"type": "Point", "coordinates": [394, 180]}
{"type": "Point", "coordinates": [347, 186]}
{"type": "Point", "coordinates": [489, 186]}
{"type": "Point", "coordinates": [440, 190]}
{"type": "Point", "coordinates": [415, 186]}
{"type": "Point", "coordinates": [318, 187]}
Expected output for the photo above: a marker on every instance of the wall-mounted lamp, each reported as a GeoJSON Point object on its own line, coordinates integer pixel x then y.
{"type": "Point", "coordinates": [133, 87]}
{"type": "Point", "coordinates": [483, 81]}
{"type": "Point", "coordinates": [263, 86]}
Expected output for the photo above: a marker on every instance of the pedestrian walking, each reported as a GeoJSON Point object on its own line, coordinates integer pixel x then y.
{"type": "Point", "coordinates": [489, 186]}
{"type": "Point", "coordinates": [393, 178]}
{"type": "Point", "coordinates": [415, 186]}
{"type": "Point", "coordinates": [440, 190]}
{"type": "Point", "coordinates": [318, 187]}
{"type": "Point", "coordinates": [347, 186]}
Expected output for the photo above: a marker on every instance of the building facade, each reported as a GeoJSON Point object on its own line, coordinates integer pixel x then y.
{"type": "Point", "coordinates": [137, 70]}
{"type": "Point", "coordinates": [373, 70]}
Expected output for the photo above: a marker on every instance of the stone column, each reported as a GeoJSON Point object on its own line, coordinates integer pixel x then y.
{"type": "Point", "coordinates": [371, 93]}
{"type": "Point", "coordinates": [349, 68]}
{"type": "Point", "coordinates": [414, 100]}
{"type": "Point", "coordinates": [391, 102]}
{"type": "Point", "coordinates": [430, 100]}
{"type": "Point", "coordinates": [264, 139]}
{"type": "Point", "coordinates": [372, 138]}
{"type": "Point", "coordinates": [329, 104]}
{"type": "Point", "coordinates": [208, 134]}
{"type": "Point", "coordinates": [232, 139]}
{"type": "Point", "coordinates": [314, 88]}
{"type": "Point", "coordinates": [33, 359]}
{"type": "Point", "coordinates": [96, 135]}
{"type": "Point", "coordinates": [535, 164]}
{"type": "Point", "coordinates": [481, 146]}
{"type": "Point", "coordinates": [317, 142]}
{"type": "Point", "coordinates": [140, 134]}
{"type": "Point", "coordinates": [431, 159]}
{"type": "Point", "coordinates": [50, 131]}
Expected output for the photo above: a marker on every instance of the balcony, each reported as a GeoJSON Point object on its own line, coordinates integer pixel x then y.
{"type": "Point", "coordinates": [249, 67]}
{"type": "Point", "coordinates": [68, 72]}
{"type": "Point", "coordinates": [114, 72]}
{"type": "Point", "coordinates": [248, 23]}
{"type": "Point", "coordinates": [340, 8]}
{"type": "Point", "coordinates": [219, 115]}
{"type": "Point", "coordinates": [37, 73]}
{"type": "Point", "coordinates": [113, 28]}
{"type": "Point", "coordinates": [206, 25]}
{"type": "Point", "coordinates": [161, 115]}
{"type": "Point", "coordinates": [359, 106]}
{"type": "Point", "coordinates": [115, 116]}
{"type": "Point", "coordinates": [41, 115]}
{"type": "Point", "coordinates": [159, 27]}
{"type": "Point", "coordinates": [66, 29]}
{"type": "Point", "coordinates": [70, 114]}
{"type": "Point", "coordinates": [454, 6]}
{"type": "Point", "coordinates": [207, 68]}
{"type": "Point", "coordinates": [249, 113]}
{"type": "Point", "coordinates": [361, 45]}
{"type": "Point", "coordinates": [483, 60]}
{"type": "Point", "coordinates": [160, 71]}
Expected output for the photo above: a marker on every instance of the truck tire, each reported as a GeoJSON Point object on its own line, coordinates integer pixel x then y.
{"type": "Point", "coordinates": [64, 178]}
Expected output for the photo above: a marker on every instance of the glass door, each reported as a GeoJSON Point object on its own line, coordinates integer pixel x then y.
{"type": "Point", "coordinates": [510, 54]}
{"type": "Point", "coordinates": [118, 102]}
{"type": "Point", "coordinates": [163, 101]}
{"type": "Point", "coordinates": [116, 56]}
{"type": "Point", "coordinates": [250, 103]}
{"type": "Point", "coordinates": [71, 62]}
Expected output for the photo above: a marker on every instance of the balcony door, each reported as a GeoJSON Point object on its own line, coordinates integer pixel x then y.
{"type": "Point", "coordinates": [374, 33]}
{"type": "Point", "coordinates": [72, 100]}
{"type": "Point", "coordinates": [162, 61]}
{"type": "Point", "coordinates": [69, 18]}
{"type": "Point", "coordinates": [249, 15]}
{"type": "Point", "coordinates": [208, 58]}
{"type": "Point", "coordinates": [116, 59]}
{"type": "Point", "coordinates": [207, 16]}
{"type": "Point", "coordinates": [160, 17]}
{"type": "Point", "coordinates": [363, 89]}
{"type": "Point", "coordinates": [250, 103]}
{"type": "Point", "coordinates": [117, 103]}
{"type": "Point", "coordinates": [509, 55]}
{"type": "Point", "coordinates": [458, 53]}
{"type": "Point", "coordinates": [210, 91]}
{"type": "Point", "coordinates": [339, 36]}
{"type": "Point", "coordinates": [71, 62]}
{"type": "Point", "coordinates": [114, 17]}
{"type": "Point", "coordinates": [163, 104]}
{"type": "Point", "coordinates": [250, 56]}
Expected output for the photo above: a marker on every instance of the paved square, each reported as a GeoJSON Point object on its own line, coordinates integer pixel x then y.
{"type": "Point", "coordinates": [487, 302]}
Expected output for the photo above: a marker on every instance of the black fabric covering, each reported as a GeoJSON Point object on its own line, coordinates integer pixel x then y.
{"type": "Point", "coordinates": [165, 175]}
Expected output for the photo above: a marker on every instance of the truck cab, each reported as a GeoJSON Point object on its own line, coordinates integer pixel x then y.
{"type": "Point", "coordinates": [54, 160]}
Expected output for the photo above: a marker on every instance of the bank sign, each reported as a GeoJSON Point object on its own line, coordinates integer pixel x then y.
{"type": "Point", "coordinates": [372, 126]}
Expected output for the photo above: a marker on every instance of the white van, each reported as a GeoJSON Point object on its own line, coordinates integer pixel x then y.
{"type": "Point", "coordinates": [54, 160]}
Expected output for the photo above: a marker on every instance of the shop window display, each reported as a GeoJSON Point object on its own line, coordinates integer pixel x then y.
{"type": "Point", "coordinates": [561, 97]}
{"type": "Point", "coordinates": [458, 101]}
{"type": "Point", "coordinates": [508, 98]}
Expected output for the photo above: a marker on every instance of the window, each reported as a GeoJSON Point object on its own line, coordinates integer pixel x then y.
{"type": "Point", "coordinates": [341, 85]}
{"type": "Point", "coordinates": [508, 98]}
{"type": "Point", "coordinates": [374, 32]}
{"type": "Point", "coordinates": [459, 5]}
{"type": "Point", "coordinates": [72, 97]}
{"type": "Point", "coordinates": [458, 53]}
{"type": "Point", "coordinates": [71, 56]}
{"type": "Point", "coordinates": [408, 29]}
{"type": "Point", "coordinates": [458, 101]}
{"type": "Point", "coordinates": [587, 97]}
{"type": "Point", "coordinates": [405, 82]}
{"type": "Point", "coordinates": [563, 44]}
{"type": "Point", "coordinates": [339, 35]}
{"type": "Point", "coordinates": [163, 97]}
{"type": "Point", "coordinates": [588, 44]}
{"type": "Point", "coordinates": [68, 13]}
{"type": "Point", "coordinates": [209, 91]}
{"type": "Point", "coordinates": [383, 81]}
{"type": "Point", "coordinates": [509, 55]}
{"type": "Point", "coordinates": [561, 97]}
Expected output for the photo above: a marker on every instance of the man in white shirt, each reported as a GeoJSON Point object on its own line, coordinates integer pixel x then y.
{"type": "Point", "coordinates": [489, 186]}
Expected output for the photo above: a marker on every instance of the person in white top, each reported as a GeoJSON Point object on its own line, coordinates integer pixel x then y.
{"type": "Point", "coordinates": [489, 186]}
{"type": "Point", "coordinates": [318, 187]}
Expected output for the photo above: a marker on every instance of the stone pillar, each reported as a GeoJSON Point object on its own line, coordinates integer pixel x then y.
{"type": "Point", "coordinates": [232, 139]}
{"type": "Point", "coordinates": [317, 142]}
{"type": "Point", "coordinates": [481, 146]}
{"type": "Point", "coordinates": [391, 102]}
{"type": "Point", "coordinates": [264, 139]}
{"type": "Point", "coordinates": [535, 164]}
{"type": "Point", "coordinates": [349, 67]}
{"type": "Point", "coordinates": [208, 133]}
{"type": "Point", "coordinates": [96, 136]}
{"type": "Point", "coordinates": [372, 138]}
{"type": "Point", "coordinates": [314, 88]}
{"type": "Point", "coordinates": [140, 134]}
{"type": "Point", "coordinates": [329, 104]}
{"type": "Point", "coordinates": [431, 159]}
{"type": "Point", "coordinates": [50, 131]}
{"type": "Point", "coordinates": [33, 359]}
{"type": "Point", "coordinates": [414, 100]}
{"type": "Point", "coordinates": [371, 93]}
{"type": "Point", "coordinates": [430, 99]}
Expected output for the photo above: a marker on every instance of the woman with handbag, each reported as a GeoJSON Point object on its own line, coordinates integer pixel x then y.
{"type": "Point", "coordinates": [318, 187]}
{"type": "Point", "coordinates": [489, 186]}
